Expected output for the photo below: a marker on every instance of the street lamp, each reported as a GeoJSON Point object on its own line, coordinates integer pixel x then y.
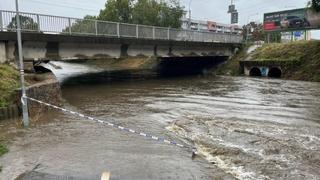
{"type": "Point", "coordinates": [189, 23]}
{"type": "Point", "coordinates": [25, 114]}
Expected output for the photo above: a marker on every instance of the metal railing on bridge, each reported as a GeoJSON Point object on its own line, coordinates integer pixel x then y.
{"type": "Point", "coordinates": [31, 22]}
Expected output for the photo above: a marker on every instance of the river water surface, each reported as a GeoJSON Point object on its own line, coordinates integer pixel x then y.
{"type": "Point", "coordinates": [243, 128]}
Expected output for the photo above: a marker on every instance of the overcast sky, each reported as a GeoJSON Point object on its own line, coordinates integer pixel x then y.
{"type": "Point", "coordinates": [214, 10]}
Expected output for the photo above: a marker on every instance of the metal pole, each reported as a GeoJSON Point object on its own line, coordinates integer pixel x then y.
{"type": "Point", "coordinates": [168, 33]}
{"type": "Point", "coordinates": [25, 114]}
{"type": "Point", "coordinates": [96, 26]}
{"type": "Point", "coordinates": [153, 32]}
{"type": "Point", "coordinates": [189, 23]}
{"type": "Point", "coordinates": [137, 31]}
{"type": "Point", "coordinates": [305, 35]}
{"type": "Point", "coordinates": [118, 30]}
{"type": "Point", "coordinates": [70, 27]}
{"type": "Point", "coordinates": [247, 36]}
{"type": "Point", "coordinates": [1, 22]}
{"type": "Point", "coordinates": [38, 21]}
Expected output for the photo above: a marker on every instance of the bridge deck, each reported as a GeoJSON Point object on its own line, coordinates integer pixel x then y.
{"type": "Point", "coordinates": [47, 24]}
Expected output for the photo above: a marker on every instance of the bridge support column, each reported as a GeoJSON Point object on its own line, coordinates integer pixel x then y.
{"type": "Point", "coordinates": [155, 50]}
{"type": "Point", "coordinates": [124, 50]}
{"type": "Point", "coordinates": [3, 56]}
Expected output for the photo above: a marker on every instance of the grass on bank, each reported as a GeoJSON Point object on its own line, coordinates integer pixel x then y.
{"type": "Point", "coordinates": [307, 53]}
{"type": "Point", "coordinates": [9, 81]}
{"type": "Point", "coordinates": [294, 51]}
{"type": "Point", "coordinates": [231, 67]}
{"type": "Point", "coordinates": [3, 150]}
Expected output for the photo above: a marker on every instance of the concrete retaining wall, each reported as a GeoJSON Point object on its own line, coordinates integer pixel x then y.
{"type": "Point", "coordinates": [47, 90]}
{"type": "Point", "coordinates": [3, 56]}
{"type": "Point", "coordinates": [10, 112]}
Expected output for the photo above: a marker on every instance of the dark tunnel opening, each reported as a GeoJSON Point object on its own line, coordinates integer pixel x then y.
{"type": "Point", "coordinates": [176, 66]}
{"type": "Point", "coordinates": [275, 72]}
{"type": "Point", "coordinates": [255, 72]}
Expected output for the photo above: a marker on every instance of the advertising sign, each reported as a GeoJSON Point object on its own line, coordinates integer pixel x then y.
{"type": "Point", "coordinates": [212, 26]}
{"type": "Point", "coordinates": [297, 19]}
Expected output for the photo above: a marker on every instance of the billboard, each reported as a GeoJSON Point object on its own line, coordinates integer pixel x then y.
{"type": "Point", "coordinates": [297, 19]}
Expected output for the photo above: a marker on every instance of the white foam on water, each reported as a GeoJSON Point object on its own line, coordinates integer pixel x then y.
{"type": "Point", "coordinates": [237, 171]}
{"type": "Point", "coordinates": [64, 70]}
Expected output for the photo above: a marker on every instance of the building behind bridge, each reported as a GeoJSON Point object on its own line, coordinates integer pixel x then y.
{"type": "Point", "coordinates": [211, 26]}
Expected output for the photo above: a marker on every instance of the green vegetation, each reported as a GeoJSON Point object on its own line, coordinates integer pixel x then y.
{"type": "Point", "coordinates": [3, 150]}
{"type": "Point", "coordinates": [301, 59]}
{"type": "Point", "coordinates": [305, 52]}
{"type": "Point", "coordinates": [231, 67]}
{"type": "Point", "coordinates": [25, 21]}
{"type": "Point", "coordinates": [9, 81]}
{"type": "Point", "coordinates": [284, 51]}
{"type": "Point", "coordinates": [315, 4]}
{"type": "Point", "coordinates": [146, 12]}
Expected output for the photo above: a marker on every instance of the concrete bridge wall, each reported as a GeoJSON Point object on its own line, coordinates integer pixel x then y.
{"type": "Point", "coordinates": [50, 46]}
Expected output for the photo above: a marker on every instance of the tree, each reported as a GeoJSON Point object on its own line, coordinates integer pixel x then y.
{"type": "Point", "coordinates": [146, 12]}
{"type": "Point", "coordinates": [87, 25]}
{"type": "Point", "coordinates": [315, 4]}
{"type": "Point", "coordinates": [154, 13]}
{"type": "Point", "coordinates": [117, 11]}
{"type": "Point", "coordinates": [27, 23]}
{"type": "Point", "coordinates": [255, 33]}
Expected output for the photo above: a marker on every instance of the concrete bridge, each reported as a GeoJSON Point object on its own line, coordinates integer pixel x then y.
{"type": "Point", "coordinates": [55, 38]}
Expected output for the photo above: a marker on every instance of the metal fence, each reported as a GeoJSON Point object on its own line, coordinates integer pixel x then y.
{"type": "Point", "coordinates": [48, 24]}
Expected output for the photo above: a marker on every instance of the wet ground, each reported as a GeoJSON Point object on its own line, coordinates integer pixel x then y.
{"type": "Point", "coordinates": [244, 128]}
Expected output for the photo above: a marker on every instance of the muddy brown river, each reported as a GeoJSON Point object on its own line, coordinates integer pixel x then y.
{"type": "Point", "coordinates": [243, 128]}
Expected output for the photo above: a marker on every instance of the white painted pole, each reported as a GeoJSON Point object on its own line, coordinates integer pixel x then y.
{"type": "Point", "coordinates": [137, 31]}
{"type": "Point", "coordinates": [96, 27]}
{"type": "Point", "coordinates": [25, 114]}
{"type": "Point", "coordinates": [1, 22]}
{"type": "Point", "coordinates": [118, 30]}
{"type": "Point", "coordinates": [189, 20]}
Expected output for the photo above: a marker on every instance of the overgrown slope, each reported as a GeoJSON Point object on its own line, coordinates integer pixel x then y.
{"type": "Point", "coordinates": [306, 52]}
{"type": "Point", "coordinates": [9, 81]}
{"type": "Point", "coordinates": [231, 67]}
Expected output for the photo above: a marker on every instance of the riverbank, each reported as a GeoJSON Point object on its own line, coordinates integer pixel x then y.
{"type": "Point", "coordinates": [3, 150]}
{"type": "Point", "coordinates": [303, 57]}
{"type": "Point", "coordinates": [9, 82]}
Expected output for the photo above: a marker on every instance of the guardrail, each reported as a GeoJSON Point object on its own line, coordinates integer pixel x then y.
{"type": "Point", "coordinates": [48, 24]}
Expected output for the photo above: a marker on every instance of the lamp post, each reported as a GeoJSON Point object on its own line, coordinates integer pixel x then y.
{"type": "Point", "coordinates": [189, 23]}
{"type": "Point", "coordinates": [249, 25]}
{"type": "Point", "coordinates": [25, 114]}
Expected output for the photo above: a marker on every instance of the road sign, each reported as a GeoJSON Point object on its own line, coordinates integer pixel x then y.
{"type": "Point", "coordinates": [232, 8]}
{"type": "Point", "coordinates": [234, 17]}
